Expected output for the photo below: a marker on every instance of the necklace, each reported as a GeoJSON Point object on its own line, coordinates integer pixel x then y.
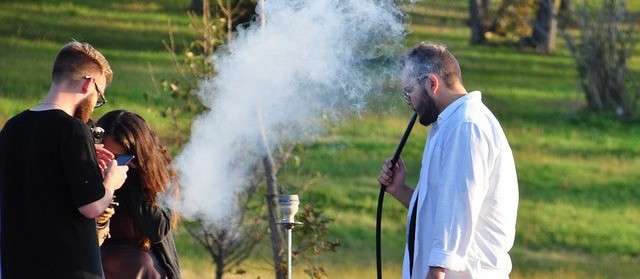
{"type": "Point", "coordinates": [48, 106]}
{"type": "Point", "coordinates": [50, 103]}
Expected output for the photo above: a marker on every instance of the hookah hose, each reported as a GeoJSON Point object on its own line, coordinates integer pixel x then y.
{"type": "Point", "coordinates": [394, 160]}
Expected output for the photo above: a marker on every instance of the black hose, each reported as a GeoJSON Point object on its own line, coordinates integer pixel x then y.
{"type": "Point", "coordinates": [394, 160]}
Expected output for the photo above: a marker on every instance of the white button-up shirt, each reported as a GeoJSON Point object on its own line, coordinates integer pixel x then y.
{"type": "Point", "coordinates": [467, 196]}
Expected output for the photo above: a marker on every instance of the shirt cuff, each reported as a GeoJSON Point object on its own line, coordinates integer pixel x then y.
{"type": "Point", "coordinates": [447, 260]}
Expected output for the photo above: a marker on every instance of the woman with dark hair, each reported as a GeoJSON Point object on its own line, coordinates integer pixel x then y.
{"type": "Point", "coordinates": [141, 243]}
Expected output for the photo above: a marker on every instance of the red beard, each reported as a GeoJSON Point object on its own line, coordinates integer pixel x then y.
{"type": "Point", "coordinates": [84, 110]}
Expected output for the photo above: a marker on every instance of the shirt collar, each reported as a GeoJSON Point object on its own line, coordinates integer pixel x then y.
{"type": "Point", "coordinates": [451, 108]}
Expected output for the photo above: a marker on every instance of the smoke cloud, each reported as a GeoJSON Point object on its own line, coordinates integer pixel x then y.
{"type": "Point", "coordinates": [312, 59]}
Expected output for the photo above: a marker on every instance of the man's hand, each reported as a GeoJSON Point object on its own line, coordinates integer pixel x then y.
{"type": "Point", "coordinates": [114, 176]}
{"type": "Point", "coordinates": [393, 178]}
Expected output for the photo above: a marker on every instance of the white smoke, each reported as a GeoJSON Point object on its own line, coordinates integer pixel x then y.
{"type": "Point", "coordinates": [309, 60]}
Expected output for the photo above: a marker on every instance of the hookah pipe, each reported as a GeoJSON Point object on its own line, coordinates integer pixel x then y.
{"type": "Point", "coordinates": [394, 160]}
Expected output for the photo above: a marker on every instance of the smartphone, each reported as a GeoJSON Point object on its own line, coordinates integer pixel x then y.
{"type": "Point", "coordinates": [124, 159]}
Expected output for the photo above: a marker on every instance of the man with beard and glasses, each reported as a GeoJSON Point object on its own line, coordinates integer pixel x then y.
{"type": "Point", "coordinates": [462, 213]}
{"type": "Point", "coordinates": [51, 185]}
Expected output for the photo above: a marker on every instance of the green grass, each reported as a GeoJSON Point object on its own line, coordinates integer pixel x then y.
{"type": "Point", "coordinates": [578, 174]}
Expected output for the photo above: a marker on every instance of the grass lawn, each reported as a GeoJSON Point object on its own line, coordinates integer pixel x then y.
{"type": "Point", "coordinates": [579, 200]}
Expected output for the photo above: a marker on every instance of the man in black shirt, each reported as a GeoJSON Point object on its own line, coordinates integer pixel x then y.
{"type": "Point", "coordinates": [53, 180]}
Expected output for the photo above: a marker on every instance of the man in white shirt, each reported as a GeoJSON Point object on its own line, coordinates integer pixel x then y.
{"type": "Point", "coordinates": [462, 213]}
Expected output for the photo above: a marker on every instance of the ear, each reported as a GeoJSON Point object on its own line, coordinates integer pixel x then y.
{"type": "Point", "coordinates": [85, 85]}
{"type": "Point", "coordinates": [433, 83]}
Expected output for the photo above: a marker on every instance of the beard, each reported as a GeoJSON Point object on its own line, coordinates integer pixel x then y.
{"type": "Point", "coordinates": [426, 109]}
{"type": "Point", "coordinates": [84, 110]}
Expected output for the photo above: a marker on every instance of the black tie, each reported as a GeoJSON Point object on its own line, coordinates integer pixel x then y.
{"type": "Point", "coordinates": [412, 234]}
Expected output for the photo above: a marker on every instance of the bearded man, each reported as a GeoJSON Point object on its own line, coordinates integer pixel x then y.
{"type": "Point", "coordinates": [51, 185]}
{"type": "Point", "coordinates": [463, 211]}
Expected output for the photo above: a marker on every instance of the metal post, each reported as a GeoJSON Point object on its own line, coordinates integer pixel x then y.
{"type": "Point", "coordinates": [289, 208]}
{"type": "Point", "coordinates": [288, 251]}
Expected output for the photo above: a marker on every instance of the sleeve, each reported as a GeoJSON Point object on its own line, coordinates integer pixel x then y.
{"type": "Point", "coordinates": [157, 224]}
{"type": "Point", "coordinates": [154, 221]}
{"type": "Point", "coordinates": [79, 166]}
{"type": "Point", "coordinates": [459, 197]}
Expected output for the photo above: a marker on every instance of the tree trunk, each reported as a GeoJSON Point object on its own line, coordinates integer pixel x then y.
{"type": "Point", "coordinates": [475, 21]}
{"type": "Point", "coordinates": [219, 268]}
{"type": "Point", "coordinates": [484, 8]}
{"type": "Point", "coordinates": [196, 6]}
{"type": "Point", "coordinates": [274, 227]}
{"type": "Point", "coordinates": [277, 233]}
{"type": "Point", "coordinates": [545, 26]}
{"type": "Point", "coordinates": [564, 11]}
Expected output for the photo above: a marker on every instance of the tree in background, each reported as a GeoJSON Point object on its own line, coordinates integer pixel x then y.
{"type": "Point", "coordinates": [511, 18]}
{"type": "Point", "coordinates": [312, 237]}
{"type": "Point", "coordinates": [550, 16]}
{"type": "Point", "coordinates": [601, 52]}
{"type": "Point", "coordinates": [233, 12]}
{"type": "Point", "coordinates": [478, 16]}
{"type": "Point", "coordinates": [191, 63]}
{"type": "Point", "coordinates": [544, 27]}
{"type": "Point", "coordinates": [212, 26]}
{"type": "Point", "coordinates": [531, 23]}
{"type": "Point", "coordinates": [230, 242]}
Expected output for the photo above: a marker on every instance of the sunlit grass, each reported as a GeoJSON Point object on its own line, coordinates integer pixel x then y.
{"type": "Point", "coordinates": [102, 26]}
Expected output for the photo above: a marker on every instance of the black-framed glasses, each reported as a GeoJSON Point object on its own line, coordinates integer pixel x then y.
{"type": "Point", "coordinates": [101, 99]}
{"type": "Point", "coordinates": [406, 91]}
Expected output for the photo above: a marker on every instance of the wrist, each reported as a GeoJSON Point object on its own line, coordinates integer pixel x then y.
{"type": "Point", "coordinates": [402, 194]}
{"type": "Point", "coordinates": [108, 190]}
{"type": "Point", "coordinates": [398, 191]}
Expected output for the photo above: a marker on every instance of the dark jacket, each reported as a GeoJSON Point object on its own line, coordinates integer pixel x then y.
{"type": "Point", "coordinates": [152, 221]}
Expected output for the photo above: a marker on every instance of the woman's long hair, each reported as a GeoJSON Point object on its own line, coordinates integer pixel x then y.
{"type": "Point", "coordinates": [157, 172]}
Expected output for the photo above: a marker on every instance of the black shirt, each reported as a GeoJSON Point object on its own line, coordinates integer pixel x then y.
{"type": "Point", "coordinates": [48, 170]}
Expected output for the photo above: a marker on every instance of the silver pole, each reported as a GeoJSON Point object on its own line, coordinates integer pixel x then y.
{"type": "Point", "coordinates": [289, 208]}
{"type": "Point", "coordinates": [288, 253]}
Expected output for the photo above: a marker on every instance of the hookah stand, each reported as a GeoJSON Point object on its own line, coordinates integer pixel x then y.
{"type": "Point", "coordinates": [289, 207]}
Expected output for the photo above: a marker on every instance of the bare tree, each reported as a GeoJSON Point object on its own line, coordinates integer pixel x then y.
{"type": "Point", "coordinates": [234, 11]}
{"type": "Point", "coordinates": [601, 54]}
{"type": "Point", "coordinates": [231, 241]}
{"type": "Point", "coordinates": [277, 232]}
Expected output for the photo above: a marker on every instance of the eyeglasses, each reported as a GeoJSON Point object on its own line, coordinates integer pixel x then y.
{"type": "Point", "coordinates": [101, 99]}
{"type": "Point", "coordinates": [407, 90]}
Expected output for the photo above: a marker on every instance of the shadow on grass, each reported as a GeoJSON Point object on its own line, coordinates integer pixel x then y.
{"type": "Point", "coordinates": [59, 23]}
{"type": "Point", "coordinates": [539, 264]}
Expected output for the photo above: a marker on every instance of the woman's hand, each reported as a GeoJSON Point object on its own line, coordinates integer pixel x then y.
{"type": "Point", "coordinates": [105, 216]}
{"type": "Point", "coordinates": [104, 157]}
